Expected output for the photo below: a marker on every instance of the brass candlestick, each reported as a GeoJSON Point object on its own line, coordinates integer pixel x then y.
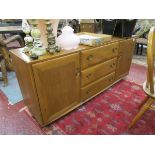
{"type": "Point", "coordinates": [52, 47]}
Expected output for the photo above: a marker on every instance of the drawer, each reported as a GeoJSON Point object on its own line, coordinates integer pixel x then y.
{"type": "Point", "coordinates": [97, 86]}
{"type": "Point", "coordinates": [98, 54]}
{"type": "Point", "coordinates": [97, 71]}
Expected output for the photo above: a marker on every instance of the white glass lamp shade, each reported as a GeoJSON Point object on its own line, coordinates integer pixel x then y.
{"type": "Point", "coordinates": [68, 40]}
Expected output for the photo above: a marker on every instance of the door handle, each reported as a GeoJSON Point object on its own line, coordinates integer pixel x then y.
{"type": "Point", "coordinates": [89, 76]}
{"type": "Point", "coordinates": [90, 57]}
{"type": "Point", "coordinates": [77, 74]}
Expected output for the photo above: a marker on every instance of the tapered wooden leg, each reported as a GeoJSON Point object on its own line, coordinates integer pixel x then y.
{"type": "Point", "coordinates": [150, 62]}
{"type": "Point", "coordinates": [152, 108]}
{"type": "Point", "coordinates": [141, 50]}
{"type": "Point", "coordinates": [4, 72]}
{"type": "Point", "coordinates": [145, 107]}
{"type": "Point", "coordinates": [137, 48]}
{"type": "Point", "coordinates": [6, 56]}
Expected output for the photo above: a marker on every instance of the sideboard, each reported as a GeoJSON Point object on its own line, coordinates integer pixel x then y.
{"type": "Point", "coordinates": [54, 85]}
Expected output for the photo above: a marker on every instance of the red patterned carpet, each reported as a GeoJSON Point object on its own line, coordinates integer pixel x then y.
{"type": "Point", "coordinates": [137, 74]}
{"type": "Point", "coordinates": [108, 113]}
{"type": "Point", "coordinates": [13, 121]}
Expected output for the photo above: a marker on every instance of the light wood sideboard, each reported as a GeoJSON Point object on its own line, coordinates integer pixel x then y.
{"type": "Point", "coordinates": [54, 85]}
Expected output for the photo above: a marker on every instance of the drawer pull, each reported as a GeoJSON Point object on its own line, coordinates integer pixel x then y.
{"type": "Point", "coordinates": [111, 79]}
{"type": "Point", "coordinates": [77, 74]}
{"type": "Point", "coordinates": [113, 50]}
{"type": "Point", "coordinates": [90, 57]}
{"type": "Point", "coordinates": [89, 76]}
{"type": "Point", "coordinates": [113, 65]}
{"type": "Point", "coordinates": [119, 59]}
{"type": "Point", "coordinates": [88, 92]}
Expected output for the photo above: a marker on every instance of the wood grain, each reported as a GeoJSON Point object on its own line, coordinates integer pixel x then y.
{"type": "Point", "coordinates": [126, 49]}
{"type": "Point", "coordinates": [99, 54]}
{"type": "Point", "coordinates": [96, 86]}
{"type": "Point", "coordinates": [58, 85]}
{"type": "Point", "coordinates": [54, 85]}
{"type": "Point", "coordinates": [97, 71]}
{"type": "Point", "coordinates": [148, 86]}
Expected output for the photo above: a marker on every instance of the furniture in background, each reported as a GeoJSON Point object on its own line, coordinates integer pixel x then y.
{"type": "Point", "coordinates": [3, 70]}
{"type": "Point", "coordinates": [140, 42]}
{"type": "Point", "coordinates": [57, 84]}
{"type": "Point", "coordinates": [124, 27]}
{"type": "Point", "coordinates": [149, 85]}
{"type": "Point", "coordinates": [11, 29]}
{"type": "Point", "coordinates": [11, 22]}
{"type": "Point", "coordinates": [142, 29]}
{"type": "Point", "coordinates": [118, 27]}
{"type": "Point", "coordinates": [5, 59]}
{"type": "Point", "coordinates": [108, 26]}
{"type": "Point", "coordinates": [88, 25]}
{"type": "Point", "coordinates": [74, 23]}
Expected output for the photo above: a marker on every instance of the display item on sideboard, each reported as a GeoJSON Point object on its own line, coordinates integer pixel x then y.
{"type": "Point", "coordinates": [52, 47]}
{"type": "Point", "coordinates": [68, 40]}
{"type": "Point", "coordinates": [38, 48]}
{"type": "Point", "coordinates": [28, 39]}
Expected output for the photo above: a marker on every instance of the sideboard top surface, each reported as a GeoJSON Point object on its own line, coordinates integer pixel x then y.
{"type": "Point", "coordinates": [26, 57]}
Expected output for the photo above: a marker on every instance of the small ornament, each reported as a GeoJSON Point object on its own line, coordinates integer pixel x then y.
{"type": "Point", "coordinates": [37, 44]}
{"type": "Point", "coordinates": [34, 56]}
{"type": "Point", "coordinates": [52, 47]}
{"type": "Point", "coordinates": [28, 39]}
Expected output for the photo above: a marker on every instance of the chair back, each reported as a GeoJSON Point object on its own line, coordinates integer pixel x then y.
{"type": "Point", "coordinates": [149, 85]}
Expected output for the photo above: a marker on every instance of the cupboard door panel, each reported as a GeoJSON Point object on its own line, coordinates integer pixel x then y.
{"type": "Point", "coordinates": [57, 82]}
{"type": "Point", "coordinates": [126, 49]}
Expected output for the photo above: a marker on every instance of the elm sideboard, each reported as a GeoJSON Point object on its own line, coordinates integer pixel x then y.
{"type": "Point", "coordinates": [54, 85]}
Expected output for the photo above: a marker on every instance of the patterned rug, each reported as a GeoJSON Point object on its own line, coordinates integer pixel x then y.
{"type": "Point", "coordinates": [109, 113]}
{"type": "Point", "coordinates": [14, 121]}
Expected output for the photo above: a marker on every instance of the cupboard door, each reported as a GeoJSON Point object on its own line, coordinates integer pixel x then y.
{"type": "Point", "coordinates": [57, 82]}
{"type": "Point", "coordinates": [126, 49]}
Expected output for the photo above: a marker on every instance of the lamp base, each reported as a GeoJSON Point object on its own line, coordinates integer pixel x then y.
{"type": "Point", "coordinates": [38, 51]}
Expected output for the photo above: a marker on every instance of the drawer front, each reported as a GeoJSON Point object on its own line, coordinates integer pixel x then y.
{"type": "Point", "coordinates": [97, 71]}
{"type": "Point", "coordinates": [97, 86]}
{"type": "Point", "coordinates": [98, 54]}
